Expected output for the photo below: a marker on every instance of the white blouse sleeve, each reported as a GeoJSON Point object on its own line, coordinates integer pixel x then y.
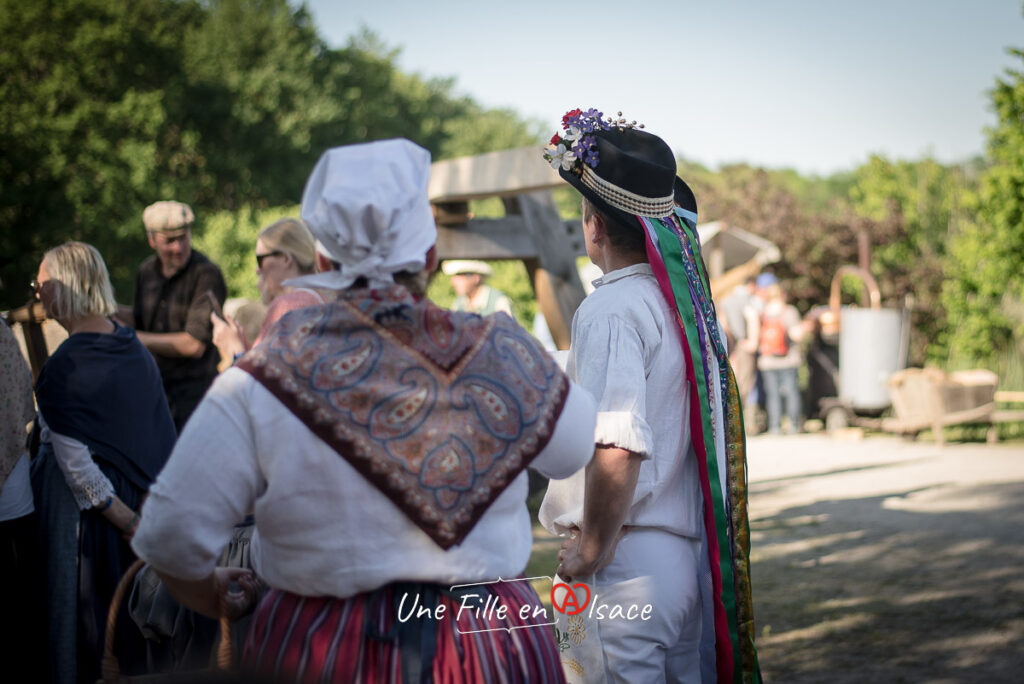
{"type": "Point", "coordinates": [608, 361]}
{"type": "Point", "coordinates": [88, 485]}
{"type": "Point", "coordinates": [209, 484]}
{"type": "Point", "coordinates": [571, 444]}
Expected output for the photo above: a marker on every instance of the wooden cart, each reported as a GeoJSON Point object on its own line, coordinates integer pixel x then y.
{"type": "Point", "coordinates": [928, 398]}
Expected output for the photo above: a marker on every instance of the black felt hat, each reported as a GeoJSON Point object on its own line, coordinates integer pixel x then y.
{"type": "Point", "coordinates": [635, 175]}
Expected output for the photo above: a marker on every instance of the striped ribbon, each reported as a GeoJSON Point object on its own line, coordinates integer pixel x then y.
{"type": "Point", "coordinates": [716, 422]}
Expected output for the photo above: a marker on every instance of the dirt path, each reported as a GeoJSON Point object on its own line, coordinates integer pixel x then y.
{"type": "Point", "coordinates": [887, 561]}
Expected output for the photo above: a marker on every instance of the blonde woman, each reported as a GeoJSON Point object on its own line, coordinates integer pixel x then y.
{"type": "Point", "coordinates": [105, 433]}
{"type": "Point", "coordinates": [285, 249]}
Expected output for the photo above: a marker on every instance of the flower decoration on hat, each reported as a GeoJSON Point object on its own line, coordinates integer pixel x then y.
{"type": "Point", "coordinates": [574, 145]}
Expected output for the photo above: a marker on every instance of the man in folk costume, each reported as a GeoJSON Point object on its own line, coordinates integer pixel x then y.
{"type": "Point", "coordinates": [659, 515]}
{"type": "Point", "coordinates": [381, 443]}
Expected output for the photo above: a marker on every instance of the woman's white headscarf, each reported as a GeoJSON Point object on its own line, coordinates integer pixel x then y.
{"type": "Point", "coordinates": [368, 209]}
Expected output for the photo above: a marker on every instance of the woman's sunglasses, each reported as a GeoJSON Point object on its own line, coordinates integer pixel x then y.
{"type": "Point", "coordinates": [261, 257]}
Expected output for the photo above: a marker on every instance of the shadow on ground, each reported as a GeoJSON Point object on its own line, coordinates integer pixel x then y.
{"type": "Point", "coordinates": [906, 587]}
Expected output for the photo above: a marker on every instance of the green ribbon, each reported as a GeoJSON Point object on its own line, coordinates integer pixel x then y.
{"type": "Point", "coordinates": [673, 258]}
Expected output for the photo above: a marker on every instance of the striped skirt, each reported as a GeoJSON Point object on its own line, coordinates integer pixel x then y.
{"type": "Point", "coordinates": [388, 635]}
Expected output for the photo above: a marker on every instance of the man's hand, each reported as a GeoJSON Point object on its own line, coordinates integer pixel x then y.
{"type": "Point", "coordinates": [179, 344]}
{"type": "Point", "coordinates": [610, 484]}
{"type": "Point", "coordinates": [575, 561]}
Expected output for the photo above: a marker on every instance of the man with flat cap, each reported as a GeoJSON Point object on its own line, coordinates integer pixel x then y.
{"type": "Point", "coordinates": [171, 311]}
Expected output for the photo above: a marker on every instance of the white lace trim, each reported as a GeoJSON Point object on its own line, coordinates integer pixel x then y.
{"type": "Point", "coordinates": [92, 490]}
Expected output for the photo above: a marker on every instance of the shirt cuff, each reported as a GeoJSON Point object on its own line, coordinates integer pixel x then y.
{"type": "Point", "coordinates": [624, 430]}
{"type": "Point", "coordinates": [91, 490]}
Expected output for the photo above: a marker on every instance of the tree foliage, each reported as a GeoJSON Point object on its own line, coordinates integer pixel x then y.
{"type": "Point", "coordinates": [106, 107]}
{"type": "Point", "coordinates": [87, 125]}
{"type": "Point", "coordinates": [815, 238]}
{"type": "Point", "coordinates": [905, 210]}
{"type": "Point", "coordinates": [985, 285]}
{"type": "Point", "coordinates": [226, 104]}
{"type": "Point", "coordinates": [923, 202]}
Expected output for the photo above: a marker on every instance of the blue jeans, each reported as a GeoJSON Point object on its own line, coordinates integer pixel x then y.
{"type": "Point", "coordinates": [778, 384]}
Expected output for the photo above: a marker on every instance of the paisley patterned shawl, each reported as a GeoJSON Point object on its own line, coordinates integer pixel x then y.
{"type": "Point", "coordinates": [439, 410]}
{"type": "Point", "coordinates": [716, 423]}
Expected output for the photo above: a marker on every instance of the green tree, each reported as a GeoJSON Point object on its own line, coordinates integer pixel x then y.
{"type": "Point", "coordinates": [815, 236]}
{"type": "Point", "coordinates": [479, 130]}
{"type": "Point", "coordinates": [924, 202]}
{"type": "Point", "coordinates": [86, 127]}
{"type": "Point", "coordinates": [261, 95]}
{"type": "Point", "coordinates": [226, 104]}
{"type": "Point", "coordinates": [985, 285]}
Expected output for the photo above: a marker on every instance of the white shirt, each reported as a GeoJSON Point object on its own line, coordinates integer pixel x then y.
{"type": "Point", "coordinates": [321, 528]}
{"type": "Point", "coordinates": [626, 351]}
{"type": "Point", "coordinates": [16, 494]}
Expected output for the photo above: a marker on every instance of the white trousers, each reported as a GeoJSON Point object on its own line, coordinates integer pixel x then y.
{"type": "Point", "coordinates": [656, 568]}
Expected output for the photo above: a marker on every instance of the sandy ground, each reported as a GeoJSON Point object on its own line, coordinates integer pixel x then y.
{"type": "Point", "coordinates": [883, 560]}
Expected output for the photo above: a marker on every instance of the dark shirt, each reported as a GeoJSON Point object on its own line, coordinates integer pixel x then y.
{"type": "Point", "coordinates": [179, 304]}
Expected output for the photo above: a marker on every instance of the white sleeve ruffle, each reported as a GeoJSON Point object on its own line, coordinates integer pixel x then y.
{"type": "Point", "coordinates": [88, 485]}
{"type": "Point", "coordinates": [625, 430]}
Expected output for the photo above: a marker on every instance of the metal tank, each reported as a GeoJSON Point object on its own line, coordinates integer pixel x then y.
{"type": "Point", "coordinates": [870, 342]}
{"type": "Point", "coordinates": [872, 345]}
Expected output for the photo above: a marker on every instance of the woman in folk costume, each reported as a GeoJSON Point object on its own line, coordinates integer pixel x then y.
{"type": "Point", "coordinates": [659, 516]}
{"type": "Point", "coordinates": [105, 431]}
{"type": "Point", "coordinates": [381, 442]}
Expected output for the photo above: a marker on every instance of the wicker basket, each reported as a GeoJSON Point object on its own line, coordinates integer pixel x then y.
{"type": "Point", "coordinates": [111, 668]}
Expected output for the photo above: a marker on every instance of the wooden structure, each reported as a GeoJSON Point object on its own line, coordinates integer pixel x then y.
{"type": "Point", "coordinates": [531, 230]}
{"type": "Point", "coordinates": [31, 318]}
{"type": "Point", "coordinates": [732, 255]}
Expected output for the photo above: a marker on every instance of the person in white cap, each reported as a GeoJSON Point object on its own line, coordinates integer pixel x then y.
{"type": "Point", "coordinates": [472, 293]}
{"type": "Point", "coordinates": [381, 442]}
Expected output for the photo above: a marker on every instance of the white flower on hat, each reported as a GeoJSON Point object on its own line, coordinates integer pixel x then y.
{"type": "Point", "coordinates": [562, 157]}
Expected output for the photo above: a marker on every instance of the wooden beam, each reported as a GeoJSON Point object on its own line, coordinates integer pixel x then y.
{"type": "Point", "coordinates": [31, 317]}
{"type": "Point", "coordinates": [495, 174]}
{"type": "Point", "coordinates": [450, 213]}
{"type": "Point", "coordinates": [504, 238]}
{"type": "Point", "coordinates": [556, 282]}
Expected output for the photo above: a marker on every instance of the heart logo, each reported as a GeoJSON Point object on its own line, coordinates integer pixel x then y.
{"type": "Point", "coordinates": [570, 602]}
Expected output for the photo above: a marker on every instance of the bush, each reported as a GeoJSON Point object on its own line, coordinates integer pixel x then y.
{"type": "Point", "coordinates": [228, 238]}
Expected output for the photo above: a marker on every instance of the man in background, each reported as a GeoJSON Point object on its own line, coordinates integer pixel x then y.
{"type": "Point", "coordinates": [739, 318]}
{"type": "Point", "coordinates": [779, 355]}
{"type": "Point", "coordinates": [473, 294]}
{"type": "Point", "coordinates": [171, 310]}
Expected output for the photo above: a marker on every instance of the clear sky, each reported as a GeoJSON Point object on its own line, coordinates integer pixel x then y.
{"type": "Point", "coordinates": [815, 85]}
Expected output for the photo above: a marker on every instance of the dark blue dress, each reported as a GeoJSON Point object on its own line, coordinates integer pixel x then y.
{"type": "Point", "coordinates": [105, 391]}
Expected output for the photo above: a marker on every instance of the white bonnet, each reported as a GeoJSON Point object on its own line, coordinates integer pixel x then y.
{"type": "Point", "coordinates": [367, 207]}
